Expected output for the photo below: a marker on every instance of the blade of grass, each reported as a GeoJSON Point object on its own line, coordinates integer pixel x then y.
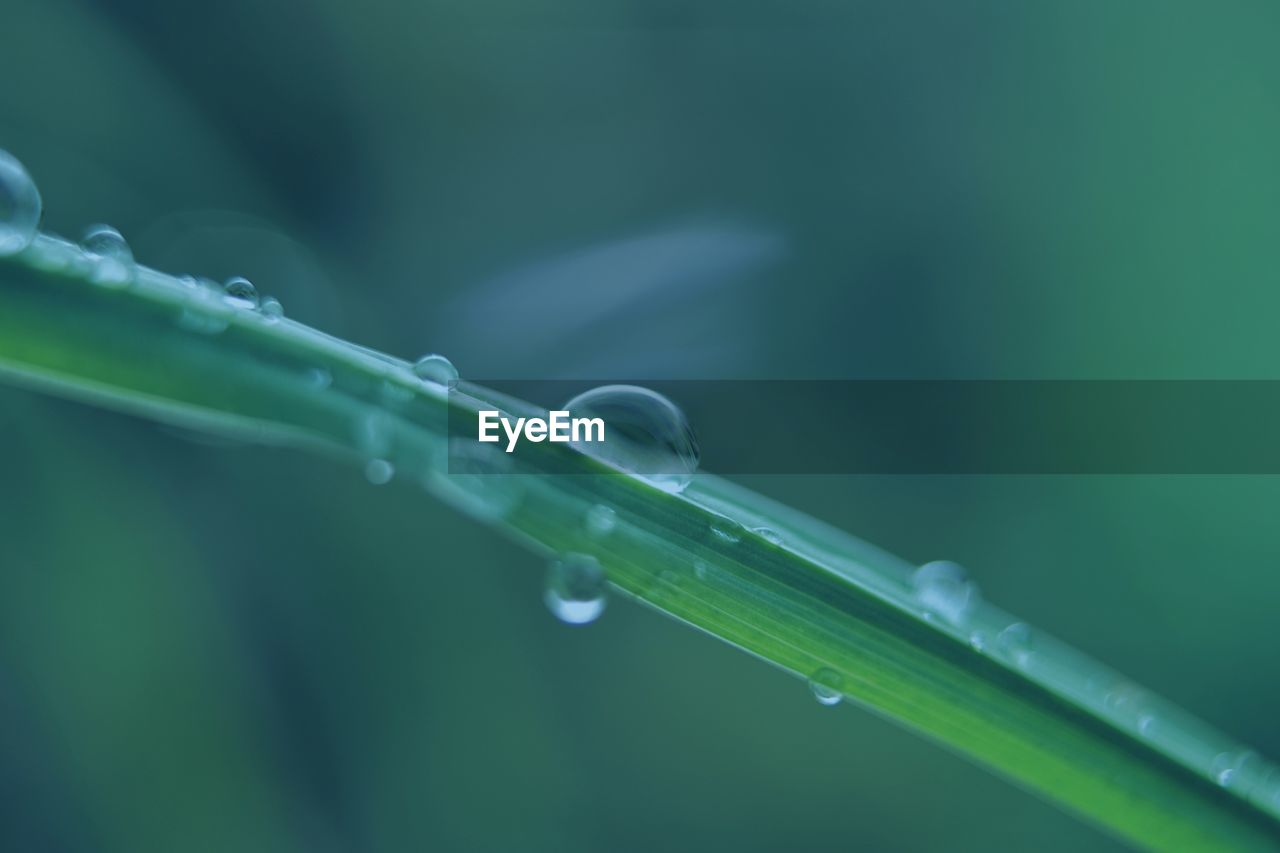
{"type": "Point", "coordinates": [801, 595]}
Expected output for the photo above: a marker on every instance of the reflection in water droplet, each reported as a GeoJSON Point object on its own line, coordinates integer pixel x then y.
{"type": "Point", "coordinates": [240, 292]}
{"type": "Point", "coordinates": [644, 434]}
{"type": "Point", "coordinates": [436, 368]}
{"type": "Point", "coordinates": [112, 258]}
{"type": "Point", "coordinates": [944, 588]}
{"type": "Point", "coordinates": [575, 590]}
{"type": "Point", "coordinates": [601, 520]}
{"type": "Point", "coordinates": [827, 686]}
{"type": "Point", "coordinates": [379, 471]}
{"type": "Point", "coordinates": [1016, 644]}
{"type": "Point", "coordinates": [20, 206]}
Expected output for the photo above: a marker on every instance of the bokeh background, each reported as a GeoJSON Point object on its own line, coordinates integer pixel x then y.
{"type": "Point", "coordinates": [211, 647]}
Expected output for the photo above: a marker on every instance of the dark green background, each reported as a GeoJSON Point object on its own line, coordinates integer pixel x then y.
{"type": "Point", "coordinates": [231, 648]}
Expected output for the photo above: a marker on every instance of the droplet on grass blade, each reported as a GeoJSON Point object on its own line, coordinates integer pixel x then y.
{"type": "Point", "coordinates": [436, 368]}
{"type": "Point", "coordinates": [645, 434]}
{"type": "Point", "coordinates": [112, 258]}
{"type": "Point", "coordinates": [944, 588]}
{"type": "Point", "coordinates": [827, 686]}
{"type": "Point", "coordinates": [600, 520]}
{"type": "Point", "coordinates": [575, 589]}
{"type": "Point", "coordinates": [240, 292]}
{"type": "Point", "coordinates": [20, 206]}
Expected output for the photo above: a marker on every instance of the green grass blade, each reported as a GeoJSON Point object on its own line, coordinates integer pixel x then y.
{"type": "Point", "coordinates": [801, 595]}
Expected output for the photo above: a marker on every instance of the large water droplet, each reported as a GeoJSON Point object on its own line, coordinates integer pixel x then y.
{"type": "Point", "coordinates": [113, 259]}
{"type": "Point", "coordinates": [644, 434]}
{"type": "Point", "coordinates": [1016, 644]}
{"type": "Point", "coordinates": [827, 686]}
{"type": "Point", "coordinates": [601, 519]}
{"type": "Point", "coordinates": [726, 531]}
{"type": "Point", "coordinates": [944, 588]}
{"type": "Point", "coordinates": [20, 206]}
{"type": "Point", "coordinates": [436, 368]}
{"type": "Point", "coordinates": [240, 292]}
{"type": "Point", "coordinates": [768, 534]}
{"type": "Point", "coordinates": [575, 590]}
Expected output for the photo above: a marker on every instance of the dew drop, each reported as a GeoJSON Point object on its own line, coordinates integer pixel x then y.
{"type": "Point", "coordinates": [700, 569]}
{"type": "Point", "coordinates": [601, 519]}
{"type": "Point", "coordinates": [944, 588]}
{"type": "Point", "coordinates": [379, 471]}
{"type": "Point", "coordinates": [827, 686]}
{"type": "Point", "coordinates": [271, 308]}
{"type": "Point", "coordinates": [978, 641]}
{"type": "Point", "coordinates": [575, 590]}
{"type": "Point", "coordinates": [113, 259]}
{"type": "Point", "coordinates": [317, 378]}
{"type": "Point", "coordinates": [644, 434]}
{"type": "Point", "coordinates": [1228, 767]}
{"type": "Point", "coordinates": [724, 534]}
{"type": "Point", "coordinates": [240, 292]}
{"type": "Point", "coordinates": [20, 206]}
{"type": "Point", "coordinates": [436, 368]}
{"type": "Point", "coordinates": [1015, 643]}
{"type": "Point", "coordinates": [768, 534]}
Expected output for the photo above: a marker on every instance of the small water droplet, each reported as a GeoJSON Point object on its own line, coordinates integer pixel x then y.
{"type": "Point", "coordinates": [978, 641]}
{"type": "Point", "coordinates": [112, 258]}
{"type": "Point", "coordinates": [644, 434]}
{"type": "Point", "coordinates": [436, 368]}
{"type": "Point", "coordinates": [575, 590]}
{"type": "Point", "coordinates": [318, 378]}
{"type": "Point", "coordinates": [271, 308]}
{"type": "Point", "coordinates": [768, 534]}
{"type": "Point", "coordinates": [20, 206]}
{"type": "Point", "coordinates": [725, 534]}
{"type": "Point", "coordinates": [827, 686]}
{"type": "Point", "coordinates": [240, 292]}
{"type": "Point", "coordinates": [1228, 767]}
{"type": "Point", "coordinates": [379, 471]}
{"type": "Point", "coordinates": [944, 588]}
{"type": "Point", "coordinates": [700, 569]}
{"type": "Point", "coordinates": [601, 519]}
{"type": "Point", "coordinates": [1016, 643]}
{"type": "Point", "coordinates": [1146, 724]}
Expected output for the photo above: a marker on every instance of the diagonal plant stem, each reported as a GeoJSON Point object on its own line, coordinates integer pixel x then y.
{"type": "Point", "coordinates": [810, 599]}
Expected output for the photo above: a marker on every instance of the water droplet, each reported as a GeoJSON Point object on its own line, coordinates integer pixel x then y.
{"type": "Point", "coordinates": [318, 378]}
{"type": "Point", "coordinates": [1146, 724]}
{"type": "Point", "coordinates": [575, 590]}
{"type": "Point", "coordinates": [436, 368]}
{"type": "Point", "coordinates": [827, 686]}
{"type": "Point", "coordinates": [20, 206]}
{"type": "Point", "coordinates": [944, 588]}
{"type": "Point", "coordinates": [1228, 767]}
{"type": "Point", "coordinates": [645, 434]}
{"type": "Point", "coordinates": [271, 308]}
{"type": "Point", "coordinates": [700, 569]}
{"type": "Point", "coordinates": [1015, 643]}
{"type": "Point", "coordinates": [727, 532]}
{"type": "Point", "coordinates": [113, 259]}
{"type": "Point", "coordinates": [601, 520]}
{"type": "Point", "coordinates": [768, 534]}
{"type": "Point", "coordinates": [379, 471]}
{"type": "Point", "coordinates": [978, 641]}
{"type": "Point", "coordinates": [240, 292]}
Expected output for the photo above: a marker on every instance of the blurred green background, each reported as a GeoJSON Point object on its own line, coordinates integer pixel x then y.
{"type": "Point", "coordinates": [208, 647]}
